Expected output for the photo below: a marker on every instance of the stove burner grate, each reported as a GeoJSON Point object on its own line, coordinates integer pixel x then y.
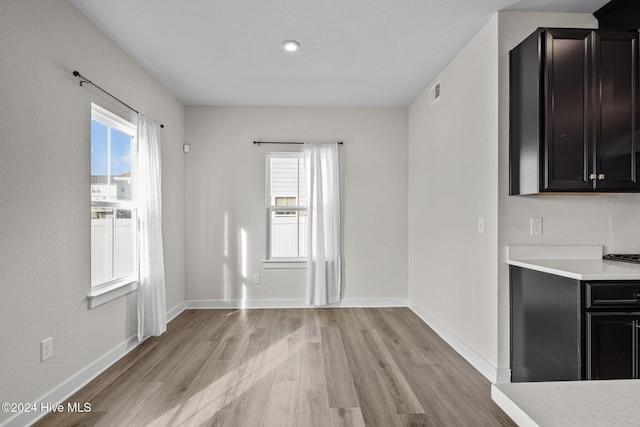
{"type": "Point", "coordinates": [635, 258]}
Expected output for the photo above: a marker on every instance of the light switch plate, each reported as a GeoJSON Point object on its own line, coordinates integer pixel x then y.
{"type": "Point", "coordinates": [480, 225]}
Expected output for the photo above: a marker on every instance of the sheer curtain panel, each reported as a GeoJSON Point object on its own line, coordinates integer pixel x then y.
{"type": "Point", "coordinates": [152, 312]}
{"type": "Point", "coordinates": [324, 270]}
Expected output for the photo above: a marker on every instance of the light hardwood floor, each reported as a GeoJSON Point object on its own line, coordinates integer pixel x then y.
{"type": "Point", "coordinates": [291, 367]}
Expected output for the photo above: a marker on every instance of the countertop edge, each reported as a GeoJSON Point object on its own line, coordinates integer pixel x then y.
{"type": "Point", "coordinates": [510, 408]}
{"type": "Point", "coordinates": [583, 263]}
{"type": "Point", "coordinates": [537, 267]}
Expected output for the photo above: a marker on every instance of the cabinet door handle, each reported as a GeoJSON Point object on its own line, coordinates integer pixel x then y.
{"type": "Point", "coordinates": [593, 176]}
{"type": "Point", "coordinates": [600, 176]}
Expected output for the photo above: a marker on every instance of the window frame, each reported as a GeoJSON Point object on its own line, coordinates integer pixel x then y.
{"type": "Point", "coordinates": [270, 261]}
{"type": "Point", "coordinates": [101, 293]}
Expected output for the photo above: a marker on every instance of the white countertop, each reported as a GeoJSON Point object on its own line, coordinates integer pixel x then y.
{"type": "Point", "coordinates": [574, 262]}
{"type": "Point", "coordinates": [583, 269]}
{"type": "Point", "coordinates": [570, 403]}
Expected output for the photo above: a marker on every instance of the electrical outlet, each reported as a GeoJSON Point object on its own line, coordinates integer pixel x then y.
{"type": "Point", "coordinates": [480, 225]}
{"type": "Point", "coordinates": [46, 349]}
{"type": "Point", "coordinates": [256, 278]}
{"type": "Point", "coordinates": [535, 226]}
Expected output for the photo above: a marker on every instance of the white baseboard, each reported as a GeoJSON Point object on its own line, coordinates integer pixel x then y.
{"type": "Point", "coordinates": [503, 376]}
{"type": "Point", "coordinates": [293, 303]}
{"type": "Point", "coordinates": [205, 304]}
{"type": "Point", "coordinates": [175, 311]}
{"type": "Point", "coordinates": [492, 373]}
{"type": "Point", "coordinates": [73, 384]}
{"type": "Point", "coordinates": [372, 302]}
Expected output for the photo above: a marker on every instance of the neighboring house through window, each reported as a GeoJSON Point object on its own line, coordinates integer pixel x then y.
{"type": "Point", "coordinates": [286, 201]}
{"type": "Point", "coordinates": [286, 207]}
{"type": "Point", "coordinates": [114, 253]}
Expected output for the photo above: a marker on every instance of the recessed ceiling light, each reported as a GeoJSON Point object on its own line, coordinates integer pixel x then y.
{"type": "Point", "coordinates": [290, 45]}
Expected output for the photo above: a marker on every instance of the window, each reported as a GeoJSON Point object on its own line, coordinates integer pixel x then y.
{"type": "Point", "coordinates": [114, 254]}
{"type": "Point", "coordinates": [286, 228]}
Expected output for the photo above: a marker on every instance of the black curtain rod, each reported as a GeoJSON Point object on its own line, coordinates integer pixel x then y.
{"type": "Point", "coordinates": [86, 80]}
{"type": "Point", "coordinates": [286, 143]}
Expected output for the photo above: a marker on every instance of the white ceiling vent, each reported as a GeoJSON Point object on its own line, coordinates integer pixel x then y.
{"type": "Point", "coordinates": [434, 93]}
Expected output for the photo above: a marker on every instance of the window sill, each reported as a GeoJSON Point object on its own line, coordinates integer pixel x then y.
{"type": "Point", "coordinates": [102, 294]}
{"type": "Point", "coordinates": [285, 263]}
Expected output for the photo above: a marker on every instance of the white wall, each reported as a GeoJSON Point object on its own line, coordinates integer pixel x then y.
{"type": "Point", "coordinates": [612, 221]}
{"type": "Point", "coordinates": [45, 189]}
{"type": "Point", "coordinates": [453, 181]}
{"type": "Point", "coordinates": [225, 199]}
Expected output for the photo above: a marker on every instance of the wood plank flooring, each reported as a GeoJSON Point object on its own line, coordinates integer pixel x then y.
{"type": "Point", "coordinates": [291, 367]}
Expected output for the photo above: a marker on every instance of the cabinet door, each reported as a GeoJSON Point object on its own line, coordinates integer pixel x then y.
{"type": "Point", "coordinates": [616, 110]}
{"type": "Point", "coordinates": [546, 321]}
{"type": "Point", "coordinates": [612, 346]}
{"type": "Point", "coordinates": [568, 110]}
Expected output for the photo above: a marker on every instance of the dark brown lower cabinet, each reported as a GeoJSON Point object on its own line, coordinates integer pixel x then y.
{"type": "Point", "coordinates": [612, 346]}
{"type": "Point", "coordinates": [546, 327]}
{"type": "Point", "coordinates": [565, 329]}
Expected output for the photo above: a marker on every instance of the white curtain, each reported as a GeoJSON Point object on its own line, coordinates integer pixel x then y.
{"type": "Point", "coordinates": [152, 312]}
{"type": "Point", "coordinates": [324, 270]}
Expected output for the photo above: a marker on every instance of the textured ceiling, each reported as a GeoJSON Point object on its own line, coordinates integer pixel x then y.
{"type": "Point", "coordinates": [354, 53]}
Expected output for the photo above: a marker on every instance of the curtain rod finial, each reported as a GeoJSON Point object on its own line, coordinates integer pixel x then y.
{"type": "Point", "coordinates": [82, 79]}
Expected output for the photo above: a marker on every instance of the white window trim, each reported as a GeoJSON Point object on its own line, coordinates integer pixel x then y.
{"type": "Point", "coordinates": [108, 291]}
{"type": "Point", "coordinates": [284, 263]}
{"type": "Point", "coordinates": [269, 262]}
{"type": "Point", "coordinates": [107, 117]}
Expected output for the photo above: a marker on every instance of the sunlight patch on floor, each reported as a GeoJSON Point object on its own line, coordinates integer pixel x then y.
{"type": "Point", "coordinates": [204, 404]}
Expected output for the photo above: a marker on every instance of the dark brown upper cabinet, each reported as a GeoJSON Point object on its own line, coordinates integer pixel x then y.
{"type": "Point", "coordinates": [619, 15]}
{"type": "Point", "coordinates": [574, 112]}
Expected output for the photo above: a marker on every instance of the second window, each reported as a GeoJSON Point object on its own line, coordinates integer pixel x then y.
{"type": "Point", "coordinates": [286, 207]}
